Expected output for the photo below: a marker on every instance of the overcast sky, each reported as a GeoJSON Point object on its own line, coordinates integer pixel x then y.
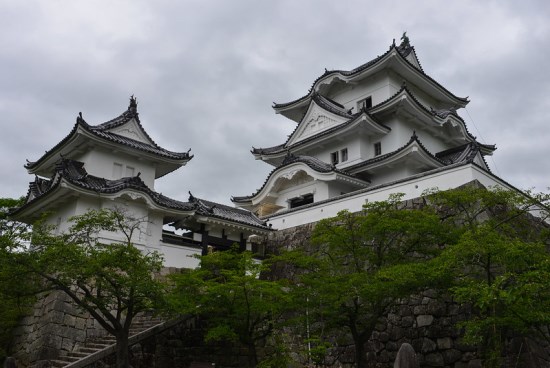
{"type": "Point", "coordinates": [207, 72]}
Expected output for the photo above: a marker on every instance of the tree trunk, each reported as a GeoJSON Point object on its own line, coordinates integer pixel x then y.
{"type": "Point", "coordinates": [122, 360]}
{"type": "Point", "coordinates": [252, 355]}
{"type": "Point", "coordinates": [360, 354]}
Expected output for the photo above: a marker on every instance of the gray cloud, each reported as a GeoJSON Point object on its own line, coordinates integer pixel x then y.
{"type": "Point", "coordinates": [206, 73]}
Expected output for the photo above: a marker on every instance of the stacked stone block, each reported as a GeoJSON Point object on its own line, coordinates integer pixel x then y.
{"type": "Point", "coordinates": [56, 326]}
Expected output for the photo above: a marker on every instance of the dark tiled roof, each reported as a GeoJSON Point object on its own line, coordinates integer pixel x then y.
{"type": "Point", "coordinates": [268, 150]}
{"type": "Point", "coordinates": [312, 162]}
{"type": "Point", "coordinates": [282, 147]}
{"type": "Point", "coordinates": [402, 50]}
{"type": "Point", "coordinates": [102, 132]}
{"type": "Point", "coordinates": [221, 211]}
{"type": "Point", "coordinates": [414, 138]}
{"type": "Point", "coordinates": [404, 89]}
{"type": "Point", "coordinates": [465, 153]}
{"type": "Point", "coordinates": [437, 113]}
{"type": "Point", "coordinates": [330, 105]}
{"type": "Point", "coordinates": [74, 172]}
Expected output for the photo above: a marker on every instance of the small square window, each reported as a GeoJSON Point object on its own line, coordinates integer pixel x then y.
{"type": "Point", "coordinates": [344, 155]}
{"type": "Point", "coordinates": [365, 103]}
{"type": "Point", "coordinates": [377, 149]}
{"type": "Point", "coordinates": [129, 171]}
{"type": "Point", "coordinates": [117, 170]}
{"type": "Point", "coordinates": [334, 158]}
{"type": "Point", "coordinates": [301, 200]}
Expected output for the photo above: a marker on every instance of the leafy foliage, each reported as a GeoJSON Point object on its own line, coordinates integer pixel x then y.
{"type": "Point", "coordinates": [358, 265]}
{"type": "Point", "coordinates": [111, 281]}
{"type": "Point", "coordinates": [499, 264]}
{"type": "Point", "coordinates": [15, 285]}
{"type": "Point", "coordinates": [238, 304]}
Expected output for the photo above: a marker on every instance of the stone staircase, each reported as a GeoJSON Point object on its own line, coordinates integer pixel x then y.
{"type": "Point", "coordinates": [98, 348]}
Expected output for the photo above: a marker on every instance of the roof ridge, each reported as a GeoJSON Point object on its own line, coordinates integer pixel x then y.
{"type": "Point", "coordinates": [402, 51]}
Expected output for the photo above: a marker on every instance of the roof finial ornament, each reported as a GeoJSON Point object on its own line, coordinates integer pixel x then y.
{"type": "Point", "coordinates": [79, 118]}
{"type": "Point", "coordinates": [133, 104]}
{"type": "Point", "coordinates": [393, 43]}
{"type": "Point", "coordinates": [405, 40]}
{"type": "Point", "coordinates": [191, 198]}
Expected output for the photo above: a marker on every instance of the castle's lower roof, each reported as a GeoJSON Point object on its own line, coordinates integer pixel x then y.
{"type": "Point", "coordinates": [72, 173]}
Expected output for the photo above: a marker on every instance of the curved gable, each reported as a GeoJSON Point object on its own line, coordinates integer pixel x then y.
{"type": "Point", "coordinates": [316, 120]}
{"type": "Point", "coordinates": [132, 129]}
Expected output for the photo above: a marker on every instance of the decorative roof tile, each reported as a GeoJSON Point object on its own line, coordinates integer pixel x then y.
{"type": "Point", "coordinates": [402, 50]}
{"type": "Point", "coordinates": [282, 147]}
{"type": "Point", "coordinates": [221, 211]}
{"type": "Point", "coordinates": [101, 131]}
{"type": "Point", "coordinates": [74, 172]}
{"type": "Point", "coordinates": [413, 139]}
{"type": "Point", "coordinates": [312, 162]}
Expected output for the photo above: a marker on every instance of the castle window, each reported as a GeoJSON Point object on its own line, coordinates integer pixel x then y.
{"type": "Point", "coordinates": [344, 155]}
{"type": "Point", "coordinates": [117, 170]}
{"type": "Point", "coordinates": [365, 103]}
{"type": "Point", "coordinates": [129, 171]}
{"type": "Point", "coordinates": [334, 158]}
{"type": "Point", "coordinates": [301, 200]}
{"type": "Point", "coordinates": [377, 149]}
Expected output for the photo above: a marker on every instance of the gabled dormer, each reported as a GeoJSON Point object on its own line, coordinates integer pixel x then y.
{"type": "Point", "coordinates": [399, 63]}
{"type": "Point", "coordinates": [321, 115]}
{"type": "Point", "coordinates": [117, 148]}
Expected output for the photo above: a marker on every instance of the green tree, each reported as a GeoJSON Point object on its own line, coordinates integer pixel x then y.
{"type": "Point", "coordinates": [500, 264]}
{"type": "Point", "coordinates": [113, 282]}
{"type": "Point", "coordinates": [16, 288]}
{"type": "Point", "coordinates": [358, 265]}
{"type": "Point", "coordinates": [237, 303]}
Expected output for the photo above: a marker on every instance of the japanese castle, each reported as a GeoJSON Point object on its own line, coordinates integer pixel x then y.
{"type": "Point", "coordinates": [362, 134]}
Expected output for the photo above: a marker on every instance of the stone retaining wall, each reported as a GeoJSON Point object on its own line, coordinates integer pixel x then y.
{"type": "Point", "coordinates": [426, 321]}
{"type": "Point", "coordinates": [55, 326]}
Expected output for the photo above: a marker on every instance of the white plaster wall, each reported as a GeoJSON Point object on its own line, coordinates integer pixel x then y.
{"type": "Point", "coordinates": [396, 81]}
{"type": "Point", "coordinates": [84, 204]}
{"type": "Point", "coordinates": [337, 188]}
{"type": "Point", "coordinates": [179, 256]}
{"type": "Point", "coordinates": [352, 143]}
{"type": "Point", "coordinates": [150, 239]}
{"type": "Point", "coordinates": [376, 86]}
{"type": "Point", "coordinates": [389, 175]}
{"type": "Point", "coordinates": [60, 218]}
{"type": "Point", "coordinates": [100, 163]}
{"type": "Point", "coordinates": [411, 189]}
{"type": "Point", "coordinates": [366, 146]}
{"type": "Point", "coordinates": [154, 228]}
{"type": "Point", "coordinates": [318, 188]}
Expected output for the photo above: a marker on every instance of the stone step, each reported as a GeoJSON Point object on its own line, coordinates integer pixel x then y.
{"type": "Point", "coordinates": [68, 358]}
{"type": "Point", "coordinates": [89, 350]}
{"type": "Point", "coordinates": [78, 354]}
{"type": "Point", "coordinates": [94, 345]}
{"type": "Point", "coordinates": [97, 345]}
{"type": "Point", "coordinates": [57, 363]}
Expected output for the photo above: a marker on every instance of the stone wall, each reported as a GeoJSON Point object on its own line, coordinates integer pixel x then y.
{"type": "Point", "coordinates": [427, 321]}
{"type": "Point", "coordinates": [56, 325]}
